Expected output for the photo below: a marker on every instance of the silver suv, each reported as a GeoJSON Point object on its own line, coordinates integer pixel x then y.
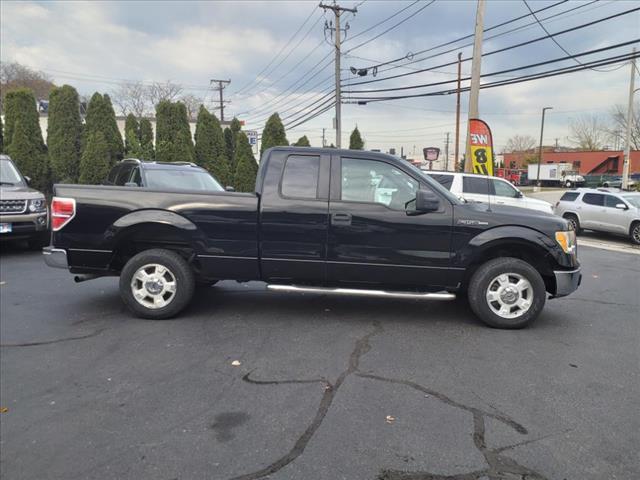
{"type": "Point", "coordinates": [602, 210]}
{"type": "Point", "coordinates": [23, 210]}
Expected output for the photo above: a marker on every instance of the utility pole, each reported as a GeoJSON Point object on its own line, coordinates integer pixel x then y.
{"type": "Point", "coordinates": [323, 142]}
{"type": "Point", "coordinates": [337, 11]}
{"type": "Point", "coordinates": [221, 86]}
{"type": "Point", "coordinates": [446, 154]}
{"type": "Point", "coordinates": [457, 144]}
{"type": "Point", "coordinates": [627, 142]}
{"type": "Point", "coordinates": [475, 80]}
{"type": "Point", "coordinates": [540, 151]}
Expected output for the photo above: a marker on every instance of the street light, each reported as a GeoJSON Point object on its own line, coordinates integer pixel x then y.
{"type": "Point", "coordinates": [540, 152]}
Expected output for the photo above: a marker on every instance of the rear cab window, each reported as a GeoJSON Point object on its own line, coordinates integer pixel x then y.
{"type": "Point", "coordinates": [569, 196]}
{"type": "Point", "coordinates": [300, 177]}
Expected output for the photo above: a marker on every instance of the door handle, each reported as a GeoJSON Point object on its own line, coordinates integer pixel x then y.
{"type": "Point", "coordinates": [341, 219]}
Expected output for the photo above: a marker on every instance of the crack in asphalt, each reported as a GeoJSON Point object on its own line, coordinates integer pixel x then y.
{"type": "Point", "coordinates": [56, 340]}
{"type": "Point", "coordinates": [500, 467]}
{"type": "Point", "coordinates": [361, 347]}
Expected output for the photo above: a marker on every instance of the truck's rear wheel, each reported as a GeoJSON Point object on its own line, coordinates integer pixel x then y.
{"type": "Point", "coordinates": [506, 293]}
{"type": "Point", "coordinates": [157, 284]}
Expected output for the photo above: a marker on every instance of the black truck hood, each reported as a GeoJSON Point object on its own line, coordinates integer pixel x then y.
{"type": "Point", "coordinates": [483, 215]}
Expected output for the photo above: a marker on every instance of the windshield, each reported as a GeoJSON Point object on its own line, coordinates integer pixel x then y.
{"type": "Point", "coordinates": [633, 200]}
{"type": "Point", "coordinates": [435, 185]}
{"type": "Point", "coordinates": [9, 174]}
{"type": "Point", "coordinates": [171, 179]}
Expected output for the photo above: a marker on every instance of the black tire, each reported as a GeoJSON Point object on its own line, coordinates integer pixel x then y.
{"type": "Point", "coordinates": [634, 233]}
{"type": "Point", "coordinates": [485, 276]}
{"type": "Point", "coordinates": [568, 184]}
{"type": "Point", "coordinates": [38, 241]}
{"type": "Point", "coordinates": [178, 270]}
{"type": "Point", "coordinates": [575, 223]}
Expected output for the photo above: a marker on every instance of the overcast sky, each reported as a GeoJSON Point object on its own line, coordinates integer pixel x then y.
{"type": "Point", "coordinates": [94, 45]}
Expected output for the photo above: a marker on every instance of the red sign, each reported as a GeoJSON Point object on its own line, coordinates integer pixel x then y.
{"type": "Point", "coordinates": [481, 147]}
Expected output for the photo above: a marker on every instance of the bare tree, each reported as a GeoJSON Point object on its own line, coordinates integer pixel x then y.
{"type": "Point", "coordinates": [618, 131]}
{"type": "Point", "coordinates": [192, 102]}
{"type": "Point", "coordinates": [132, 97]}
{"type": "Point", "coordinates": [14, 75]}
{"type": "Point", "coordinates": [157, 92]}
{"type": "Point", "coordinates": [588, 132]}
{"type": "Point", "coordinates": [520, 143]}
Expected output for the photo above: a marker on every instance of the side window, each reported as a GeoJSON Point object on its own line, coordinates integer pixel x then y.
{"type": "Point", "coordinates": [123, 174]}
{"type": "Point", "coordinates": [611, 201]}
{"type": "Point", "coordinates": [300, 177]}
{"type": "Point", "coordinates": [371, 181]}
{"type": "Point", "coordinates": [111, 178]}
{"type": "Point", "coordinates": [594, 199]}
{"type": "Point", "coordinates": [504, 189]}
{"type": "Point", "coordinates": [445, 180]}
{"type": "Point", "coordinates": [480, 185]}
{"type": "Point", "coordinates": [569, 197]}
{"type": "Point", "coordinates": [136, 177]}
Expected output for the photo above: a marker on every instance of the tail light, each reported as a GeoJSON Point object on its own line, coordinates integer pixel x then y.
{"type": "Point", "coordinates": [62, 212]}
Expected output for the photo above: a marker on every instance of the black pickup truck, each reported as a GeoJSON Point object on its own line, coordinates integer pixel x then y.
{"type": "Point", "coordinates": [320, 220]}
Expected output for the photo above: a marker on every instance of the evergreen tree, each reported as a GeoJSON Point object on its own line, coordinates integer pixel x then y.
{"type": "Point", "coordinates": [146, 140]}
{"type": "Point", "coordinates": [29, 156]}
{"type": "Point", "coordinates": [230, 146]}
{"type": "Point", "coordinates": [101, 118]}
{"type": "Point", "coordinates": [247, 168]}
{"type": "Point", "coordinates": [64, 134]}
{"type": "Point", "coordinates": [273, 134]}
{"type": "Point", "coordinates": [96, 159]}
{"type": "Point", "coordinates": [302, 142]}
{"type": "Point", "coordinates": [209, 149]}
{"type": "Point", "coordinates": [132, 145]}
{"type": "Point", "coordinates": [355, 140]}
{"type": "Point", "coordinates": [173, 135]}
{"type": "Point", "coordinates": [20, 105]}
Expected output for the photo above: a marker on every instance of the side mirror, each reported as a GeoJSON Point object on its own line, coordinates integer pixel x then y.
{"type": "Point", "coordinates": [621, 206]}
{"type": "Point", "coordinates": [27, 179]}
{"type": "Point", "coordinates": [426, 201]}
{"type": "Point", "coordinates": [229, 188]}
{"type": "Point", "coordinates": [131, 184]}
{"type": "Point", "coordinates": [519, 194]}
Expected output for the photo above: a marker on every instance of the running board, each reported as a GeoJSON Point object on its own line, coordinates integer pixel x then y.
{"type": "Point", "coordinates": [366, 293]}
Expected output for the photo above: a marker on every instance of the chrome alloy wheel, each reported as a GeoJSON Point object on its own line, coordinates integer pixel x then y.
{"type": "Point", "coordinates": [509, 295]}
{"type": "Point", "coordinates": [636, 233]}
{"type": "Point", "coordinates": [153, 286]}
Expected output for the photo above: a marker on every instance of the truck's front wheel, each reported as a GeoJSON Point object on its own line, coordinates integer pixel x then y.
{"type": "Point", "coordinates": [157, 284]}
{"type": "Point", "coordinates": [506, 293]}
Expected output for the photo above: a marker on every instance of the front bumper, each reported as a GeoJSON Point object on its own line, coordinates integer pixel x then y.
{"type": "Point", "coordinates": [25, 225]}
{"type": "Point", "coordinates": [55, 257]}
{"type": "Point", "coordinates": [567, 281]}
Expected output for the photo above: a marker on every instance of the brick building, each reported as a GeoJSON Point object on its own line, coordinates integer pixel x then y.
{"type": "Point", "coordinates": [586, 163]}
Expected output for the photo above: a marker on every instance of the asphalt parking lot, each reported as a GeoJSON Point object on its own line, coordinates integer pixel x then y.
{"type": "Point", "coordinates": [251, 384]}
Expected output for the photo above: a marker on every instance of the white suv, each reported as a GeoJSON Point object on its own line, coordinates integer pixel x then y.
{"type": "Point", "coordinates": [602, 210]}
{"type": "Point", "coordinates": [480, 188]}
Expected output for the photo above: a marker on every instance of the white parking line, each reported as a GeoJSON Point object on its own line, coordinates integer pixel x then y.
{"type": "Point", "coordinates": [608, 246]}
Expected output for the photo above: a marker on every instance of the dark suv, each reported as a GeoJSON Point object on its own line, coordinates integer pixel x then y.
{"type": "Point", "coordinates": [132, 172]}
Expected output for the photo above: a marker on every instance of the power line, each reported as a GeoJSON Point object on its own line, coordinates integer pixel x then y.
{"type": "Point", "coordinates": [278, 54]}
{"type": "Point", "coordinates": [553, 39]}
{"type": "Point", "coordinates": [524, 67]}
{"type": "Point", "coordinates": [504, 49]}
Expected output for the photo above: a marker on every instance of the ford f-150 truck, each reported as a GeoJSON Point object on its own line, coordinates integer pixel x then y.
{"type": "Point", "coordinates": [320, 220]}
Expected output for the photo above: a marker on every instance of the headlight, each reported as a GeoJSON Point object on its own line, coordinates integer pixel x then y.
{"type": "Point", "coordinates": [567, 241]}
{"type": "Point", "coordinates": [37, 205]}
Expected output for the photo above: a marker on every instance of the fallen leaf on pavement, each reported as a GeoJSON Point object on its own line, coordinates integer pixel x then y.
{"type": "Point", "coordinates": [390, 419]}
{"type": "Point", "coordinates": [236, 363]}
{"type": "Point", "coordinates": [4, 409]}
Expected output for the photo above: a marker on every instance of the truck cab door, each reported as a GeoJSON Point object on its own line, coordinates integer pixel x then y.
{"type": "Point", "coordinates": [373, 242]}
{"type": "Point", "coordinates": [294, 218]}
